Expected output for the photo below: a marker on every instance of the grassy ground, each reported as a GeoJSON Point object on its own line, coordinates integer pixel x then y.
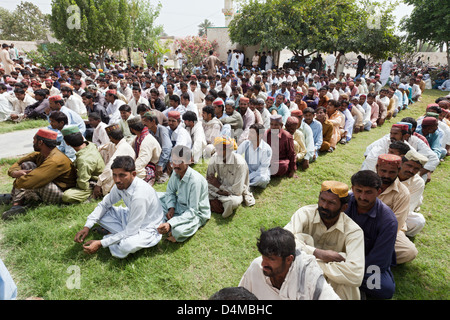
{"type": "Point", "coordinates": [40, 252]}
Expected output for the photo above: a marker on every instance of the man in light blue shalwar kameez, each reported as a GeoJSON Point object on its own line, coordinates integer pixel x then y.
{"type": "Point", "coordinates": [186, 201]}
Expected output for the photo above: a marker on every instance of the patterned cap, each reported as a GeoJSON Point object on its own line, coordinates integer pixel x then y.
{"type": "Point", "coordinates": [390, 159]}
{"type": "Point", "coordinates": [47, 134]}
{"type": "Point", "coordinates": [338, 188]}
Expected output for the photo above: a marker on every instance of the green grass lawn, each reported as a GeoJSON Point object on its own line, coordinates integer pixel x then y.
{"type": "Point", "coordinates": [40, 253]}
{"type": "Point", "coordinates": [9, 126]}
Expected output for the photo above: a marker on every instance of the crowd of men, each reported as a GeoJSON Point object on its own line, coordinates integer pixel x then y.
{"type": "Point", "coordinates": [113, 133]}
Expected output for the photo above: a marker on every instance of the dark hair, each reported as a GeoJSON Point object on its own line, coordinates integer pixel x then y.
{"type": "Point", "coordinates": [189, 116]}
{"type": "Point", "coordinates": [410, 120]}
{"type": "Point", "coordinates": [138, 126]}
{"type": "Point", "coordinates": [59, 116]}
{"type": "Point", "coordinates": [402, 147]}
{"type": "Point", "coordinates": [276, 241]}
{"type": "Point", "coordinates": [94, 116]}
{"type": "Point", "coordinates": [233, 293]}
{"type": "Point", "coordinates": [175, 98]}
{"type": "Point", "coordinates": [366, 178]}
{"type": "Point", "coordinates": [308, 110]}
{"type": "Point", "coordinates": [116, 134]}
{"type": "Point", "coordinates": [258, 127]}
{"type": "Point", "coordinates": [185, 96]}
{"type": "Point", "coordinates": [49, 143]}
{"type": "Point", "coordinates": [142, 108]}
{"type": "Point", "coordinates": [125, 107]}
{"type": "Point", "coordinates": [209, 110]}
{"type": "Point", "coordinates": [124, 162]}
{"type": "Point", "coordinates": [74, 139]}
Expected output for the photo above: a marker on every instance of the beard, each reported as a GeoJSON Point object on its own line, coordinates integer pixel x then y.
{"type": "Point", "coordinates": [387, 181]}
{"type": "Point", "coordinates": [327, 214]}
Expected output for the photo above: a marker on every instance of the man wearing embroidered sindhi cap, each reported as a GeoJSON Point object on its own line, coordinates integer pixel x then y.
{"type": "Point", "coordinates": [326, 232]}
{"type": "Point", "coordinates": [396, 196]}
{"type": "Point", "coordinates": [41, 176]}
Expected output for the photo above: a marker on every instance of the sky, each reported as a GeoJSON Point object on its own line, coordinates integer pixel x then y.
{"type": "Point", "coordinates": [180, 18]}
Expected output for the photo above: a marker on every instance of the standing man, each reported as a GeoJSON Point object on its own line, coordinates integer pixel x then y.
{"type": "Point", "coordinates": [185, 202]}
{"type": "Point", "coordinates": [386, 69]}
{"type": "Point", "coordinates": [360, 67]}
{"type": "Point", "coordinates": [211, 63]}
{"type": "Point", "coordinates": [5, 58]}
{"type": "Point", "coordinates": [127, 229]}
{"type": "Point", "coordinates": [330, 62]}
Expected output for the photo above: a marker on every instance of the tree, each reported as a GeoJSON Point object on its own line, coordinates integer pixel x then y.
{"type": "Point", "coordinates": [25, 23]}
{"type": "Point", "coordinates": [203, 27]}
{"type": "Point", "coordinates": [92, 27]}
{"type": "Point", "coordinates": [144, 34]}
{"type": "Point", "coordinates": [429, 21]}
{"type": "Point", "coordinates": [56, 54]}
{"type": "Point", "coordinates": [195, 49]}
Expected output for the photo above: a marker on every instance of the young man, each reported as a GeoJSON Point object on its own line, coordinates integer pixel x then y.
{"type": "Point", "coordinates": [99, 136]}
{"type": "Point", "coordinates": [185, 202]}
{"type": "Point", "coordinates": [258, 155]}
{"type": "Point", "coordinates": [88, 163]}
{"type": "Point", "coordinates": [195, 129]}
{"type": "Point", "coordinates": [325, 231]}
{"type": "Point", "coordinates": [130, 228]}
{"type": "Point", "coordinates": [379, 225]}
{"type": "Point", "coordinates": [212, 127]}
{"type": "Point", "coordinates": [284, 273]}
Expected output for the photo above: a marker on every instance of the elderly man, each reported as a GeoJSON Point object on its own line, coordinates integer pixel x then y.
{"type": "Point", "coordinates": [130, 228]}
{"type": "Point", "coordinates": [337, 242]}
{"type": "Point", "coordinates": [283, 272]}
{"type": "Point", "coordinates": [379, 225]}
{"type": "Point", "coordinates": [88, 163]}
{"type": "Point", "coordinates": [412, 163]}
{"type": "Point", "coordinates": [228, 178]}
{"type": "Point", "coordinates": [396, 196]}
{"type": "Point", "coordinates": [258, 155]}
{"type": "Point", "coordinates": [186, 200]}
{"type": "Point", "coordinates": [41, 176]}
{"type": "Point", "coordinates": [283, 151]}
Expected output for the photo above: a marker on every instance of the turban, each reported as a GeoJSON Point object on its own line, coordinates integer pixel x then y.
{"type": "Point", "coordinates": [403, 127]}
{"type": "Point", "coordinates": [292, 120]}
{"type": "Point", "coordinates": [55, 98]}
{"type": "Point", "coordinates": [218, 102]}
{"type": "Point", "coordinates": [230, 102]}
{"type": "Point", "coordinates": [413, 155]}
{"type": "Point", "coordinates": [70, 130]}
{"type": "Point", "coordinates": [230, 143]}
{"type": "Point", "coordinates": [47, 134]}
{"type": "Point", "coordinates": [338, 188]}
{"type": "Point", "coordinates": [297, 113]}
{"type": "Point", "coordinates": [429, 121]}
{"type": "Point", "coordinates": [390, 159]}
{"type": "Point", "coordinates": [174, 114]}
{"type": "Point", "coordinates": [276, 117]}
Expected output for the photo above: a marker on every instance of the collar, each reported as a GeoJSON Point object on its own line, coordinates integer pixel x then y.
{"type": "Point", "coordinates": [339, 225]}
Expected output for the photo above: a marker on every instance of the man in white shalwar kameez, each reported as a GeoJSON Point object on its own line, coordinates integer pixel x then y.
{"type": "Point", "coordinates": [127, 229]}
{"type": "Point", "coordinates": [284, 273]}
{"type": "Point", "coordinates": [386, 69]}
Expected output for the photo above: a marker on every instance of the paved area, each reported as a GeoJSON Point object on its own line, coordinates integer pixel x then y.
{"type": "Point", "coordinates": [17, 143]}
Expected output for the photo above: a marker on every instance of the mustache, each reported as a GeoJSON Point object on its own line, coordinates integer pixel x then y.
{"type": "Point", "coordinates": [387, 180]}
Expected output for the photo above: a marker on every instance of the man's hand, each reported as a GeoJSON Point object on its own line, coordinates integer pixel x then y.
{"type": "Point", "coordinates": [328, 256]}
{"type": "Point", "coordinates": [159, 172]}
{"type": "Point", "coordinates": [164, 228]}
{"type": "Point", "coordinates": [213, 181]}
{"type": "Point", "coordinates": [81, 235]}
{"type": "Point", "coordinates": [19, 173]}
{"type": "Point", "coordinates": [97, 192]}
{"type": "Point", "coordinates": [305, 164]}
{"type": "Point", "coordinates": [92, 246]}
{"type": "Point", "coordinates": [170, 213]}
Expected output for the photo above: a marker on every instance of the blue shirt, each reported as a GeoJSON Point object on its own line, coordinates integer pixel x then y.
{"type": "Point", "coordinates": [380, 232]}
{"type": "Point", "coordinates": [316, 128]}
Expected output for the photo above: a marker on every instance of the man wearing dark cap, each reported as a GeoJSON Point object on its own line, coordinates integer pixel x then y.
{"type": "Point", "coordinates": [41, 176]}
{"type": "Point", "coordinates": [337, 242]}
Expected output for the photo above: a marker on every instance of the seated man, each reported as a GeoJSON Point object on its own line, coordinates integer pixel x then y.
{"type": "Point", "coordinates": [326, 232]}
{"type": "Point", "coordinates": [228, 178]}
{"type": "Point", "coordinates": [89, 164]}
{"type": "Point", "coordinates": [379, 225]}
{"type": "Point", "coordinates": [396, 196]}
{"type": "Point", "coordinates": [299, 139]}
{"type": "Point", "coordinates": [131, 228]}
{"type": "Point", "coordinates": [307, 132]}
{"type": "Point", "coordinates": [212, 128]}
{"type": "Point", "coordinates": [99, 135]}
{"type": "Point", "coordinates": [195, 129]}
{"type": "Point", "coordinates": [233, 119]}
{"type": "Point", "coordinates": [41, 176]}
{"type": "Point", "coordinates": [118, 146]}
{"type": "Point", "coordinates": [147, 151]}
{"type": "Point", "coordinates": [58, 120]}
{"type": "Point", "coordinates": [283, 272]}
{"type": "Point", "coordinates": [429, 129]}
{"type": "Point", "coordinates": [125, 115]}
{"type": "Point", "coordinates": [185, 202]}
{"type": "Point", "coordinates": [327, 130]}
{"type": "Point", "coordinates": [258, 155]}
{"type": "Point", "coordinates": [316, 128]}
{"type": "Point", "coordinates": [337, 119]}
{"type": "Point", "coordinates": [283, 151]}
{"type": "Point", "coordinates": [412, 163]}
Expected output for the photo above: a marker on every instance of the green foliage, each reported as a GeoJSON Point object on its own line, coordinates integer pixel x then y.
{"type": "Point", "coordinates": [203, 27]}
{"type": "Point", "coordinates": [25, 23]}
{"type": "Point", "coordinates": [195, 49]}
{"type": "Point", "coordinates": [56, 54]}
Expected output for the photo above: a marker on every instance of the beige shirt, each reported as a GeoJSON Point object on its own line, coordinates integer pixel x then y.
{"type": "Point", "coordinates": [299, 145]}
{"type": "Point", "coordinates": [256, 282]}
{"type": "Point", "coordinates": [150, 151]}
{"type": "Point", "coordinates": [397, 197]}
{"type": "Point", "coordinates": [344, 237]}
{"type": "Point", "coordinates": [212, 129]}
